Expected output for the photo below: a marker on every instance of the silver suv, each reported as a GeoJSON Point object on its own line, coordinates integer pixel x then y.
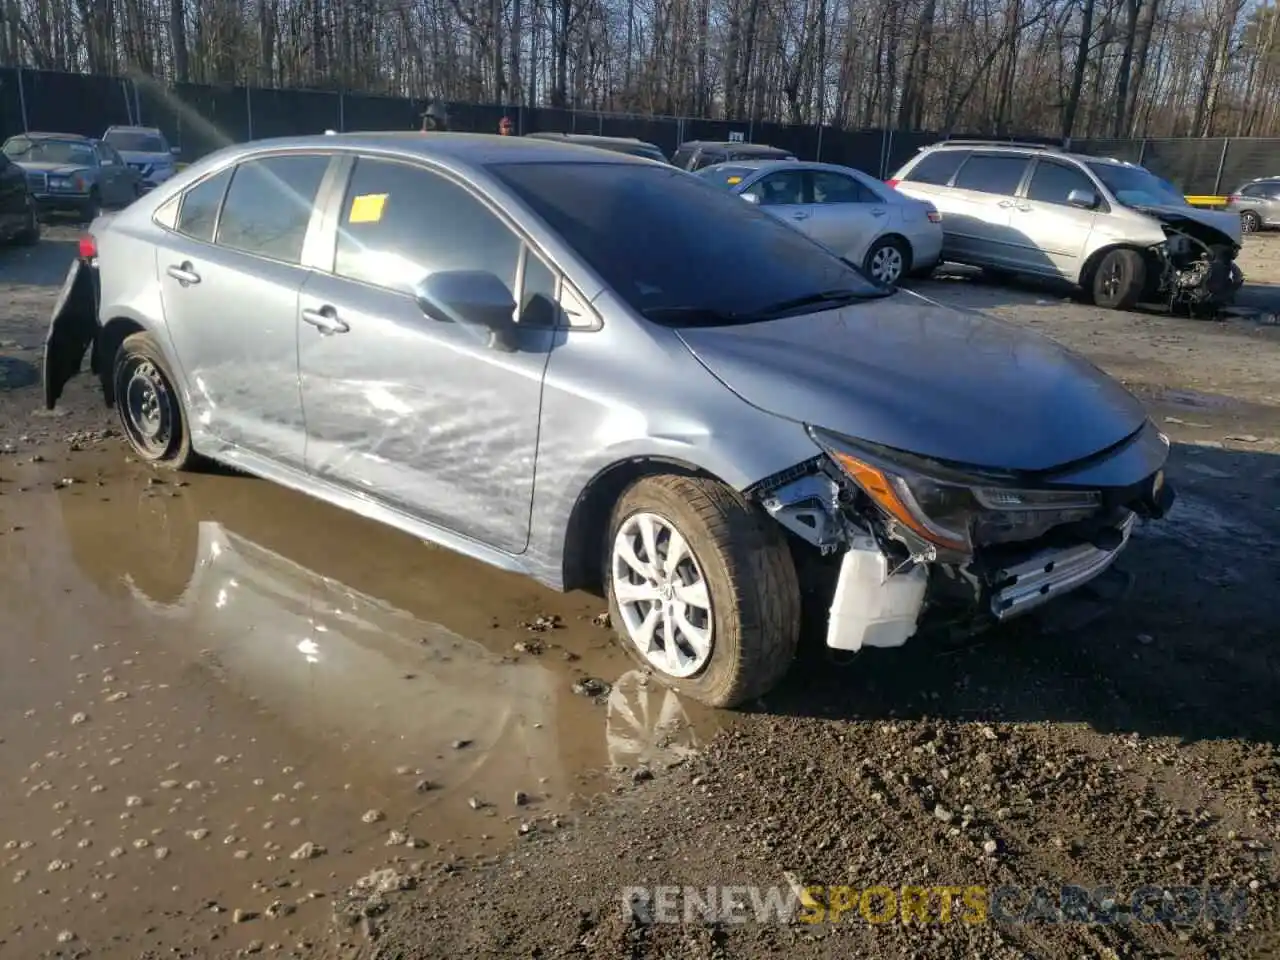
{"type": "Point", "coordinates": [1258, 204]}
{"type": "Point", "coordinates": [1117, 230]}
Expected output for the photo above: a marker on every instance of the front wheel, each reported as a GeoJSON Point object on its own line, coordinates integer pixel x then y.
{"type": "Point", "coordinates": [30, 234]}
{"type": "Point", "coordinates": [702, 589]}
{"type": "Point", "coordinates": [887, 260]}
{"type": "Point", "coordinates": [148, 404]}
{"type": "Point", "coordinates": [1118, 280]}
{"type": "Point", "coordinates": [91, 209]}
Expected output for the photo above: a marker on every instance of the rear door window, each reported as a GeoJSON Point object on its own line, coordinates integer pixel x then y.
{"type": "Point", "coordinates": [268, 206]}
{"type": "Point", "coordinates": [992, 173]}
{"type": "Point", "coordinates": [937, 167]}
{"type": "Point", "coordinates": [831, 187]}
{"type": "Point", "coordinates": [1053, 182]}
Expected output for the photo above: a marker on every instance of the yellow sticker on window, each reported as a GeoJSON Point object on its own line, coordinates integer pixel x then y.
{"type": "Point", "coordinates": [732, 180]}
{"type": "Point", "coordinates": [367, 208]}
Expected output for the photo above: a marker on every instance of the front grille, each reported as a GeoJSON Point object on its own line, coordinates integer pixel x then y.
{"type": "Point", "coordinates": [38, 182]}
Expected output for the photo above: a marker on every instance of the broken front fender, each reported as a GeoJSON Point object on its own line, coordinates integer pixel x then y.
{"type": "Point", "coordinates": [72, 329]}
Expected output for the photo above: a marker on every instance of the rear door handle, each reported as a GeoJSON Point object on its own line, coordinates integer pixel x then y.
{"type": "Point", "coordinates": [799, 215]}
{"type": "Point", "coordinates": [877, 213]}
{"type": "Point", "coordinates": [1007, 204]}
{"type": "Point", "coordinates": [325, 320]}
{"type": "Point", "coordinates": [184, 273]}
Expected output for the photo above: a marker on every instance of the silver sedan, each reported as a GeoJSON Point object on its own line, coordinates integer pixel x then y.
{"type": "Point", "coordinates": [606, 373]}
{"type": "Point", "coordinates": [850, 213]}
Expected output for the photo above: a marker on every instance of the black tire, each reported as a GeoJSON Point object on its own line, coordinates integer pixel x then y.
{"type": "Point", "coordinates": [1118, 279]}
{"type": "Point", "coordinates": [998, 276]}
{"type": "Point", "coordinates": [889, 257]}
{"type": "Point", "coordinates": [92, 209]}
{"type": "Point", "coordinates": [1250, 222]}
{"type": "Point", "coordinates": [751, 581]}
{"type": "Point", "coordinates": [30, 234]}
{"type": "Point", "coordinates": [148, 404]}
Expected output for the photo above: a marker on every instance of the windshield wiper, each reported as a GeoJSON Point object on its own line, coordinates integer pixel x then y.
{"type": "Point", "coordinates": [689, 314]}
{"type": "Point", "coordinates": [824, 299]}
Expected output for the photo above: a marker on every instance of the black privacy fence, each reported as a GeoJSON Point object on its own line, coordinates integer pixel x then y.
{"type": "Point", "coordinates": [199, 119]}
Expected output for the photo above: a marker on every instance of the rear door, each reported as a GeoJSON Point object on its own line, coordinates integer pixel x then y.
{"type": "Point", "coordinates": [1051, 235]}
{"type": "Point", "coordinates": [846, 216]}
{"type": "Point", "coordinates": [229, 278]}
{"type": "Point", "coordinates": [981, 201]}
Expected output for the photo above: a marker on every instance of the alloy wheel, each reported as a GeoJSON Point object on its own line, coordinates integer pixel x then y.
{"type": "Point", "coordinates": [662, 595]}
{"type": "Point", "coordinates": [886, 265]}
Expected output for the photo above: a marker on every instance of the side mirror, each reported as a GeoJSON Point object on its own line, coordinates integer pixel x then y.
{"type": "Point", "coordinates": [474, 297]}
{"type": "Point", "coordinates": [1084, 199]}
{"type": "Point", "coordinates": [176, 151]}
{"type": "Point", "coordinates": [750, 197]}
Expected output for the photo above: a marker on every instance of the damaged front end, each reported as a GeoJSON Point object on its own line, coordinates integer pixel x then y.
{"type": "Point", "coordinates": [890, 544]}
{"type": "Point", "coordinates": [1197, 270]}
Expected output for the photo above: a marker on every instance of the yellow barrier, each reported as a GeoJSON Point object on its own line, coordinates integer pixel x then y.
{"type": "Point", "coordinates": [1206, 201]}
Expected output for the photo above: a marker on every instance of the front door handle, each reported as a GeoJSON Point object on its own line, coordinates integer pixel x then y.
{"type": "Point", "coordinates": [184, 273]}
{"type": "Point", "coordinates": [877, 213]}
{"type": "Point", "coordinates": [1007, 204]}
{"type": "Point", "coordinates": [325, 320]}
{"type": "Point", "coordinates": [799, 215]}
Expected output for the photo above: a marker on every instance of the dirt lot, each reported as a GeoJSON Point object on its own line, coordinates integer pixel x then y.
{"type": "Point", "coordinates": [224, 709]}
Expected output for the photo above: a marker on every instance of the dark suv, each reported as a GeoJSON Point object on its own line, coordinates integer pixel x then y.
{"type": "Point", "coordinates": [1258, 203]}
{"type": "Point", "coordinates": [696, 154]}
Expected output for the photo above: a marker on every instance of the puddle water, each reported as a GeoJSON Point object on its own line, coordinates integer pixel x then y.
{"type": "Point", "coordinates": [202, 679]}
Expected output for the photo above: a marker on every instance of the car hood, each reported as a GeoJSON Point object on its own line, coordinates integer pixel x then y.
{"type": "Point", "coordinates": [159, 159]}
{"type": "Point", "coordinates": [910, 374]}
{"type": "Point", "coordinates": [66, 169]}
{"type": "Point", "coordinates": [1223, 221]}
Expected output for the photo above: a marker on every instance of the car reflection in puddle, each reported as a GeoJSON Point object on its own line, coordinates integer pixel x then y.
{"type": "Point", "coordinates": [392, 689]}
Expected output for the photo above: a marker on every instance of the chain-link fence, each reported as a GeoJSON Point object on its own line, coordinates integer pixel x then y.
{"type": "Point", "coordinates": [199, 119]}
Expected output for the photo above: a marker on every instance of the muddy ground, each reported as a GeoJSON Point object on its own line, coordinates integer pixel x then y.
{"type": "Point", "coordinates": [233, 721]}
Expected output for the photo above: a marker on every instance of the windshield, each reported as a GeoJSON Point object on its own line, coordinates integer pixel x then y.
{"type": "Point", "coordinates": [130, 142]}
{"type": "Point", "coordinates": [678, 251]}
{"type": "Point", "coordinates": [24, 150]}
{"type": "Point", "coordinates": [725, 175]}
{"type": "Point", "coordinates": [1138, 186]}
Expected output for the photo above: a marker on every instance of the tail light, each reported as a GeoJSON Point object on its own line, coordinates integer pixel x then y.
{"type": "Point", "coordinates": [935, 216]}
{"type": "Point", "coordinates": [88, 247]}
{"type": "Point", "coordinates": [893, 183]}
{"type": "Point", "coordinates": [1233, 198]}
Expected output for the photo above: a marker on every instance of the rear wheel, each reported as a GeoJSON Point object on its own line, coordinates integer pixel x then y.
{"type": "Point", "coordinates": [1118, 280]}
{"type": "Point", "coordinates": [1250, 222]}
{"type": "Point", "coordinates": [702, 589]}
{"type": "Point", "coordinates": [887, 261]}
{"type": "Point", "coordinates": [148, 404]}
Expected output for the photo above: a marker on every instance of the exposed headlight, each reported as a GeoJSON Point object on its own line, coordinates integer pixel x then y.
{"type": "Point", "coordinates": [59, 183]}
{"type": "Point", "coordinates": [954, 509]}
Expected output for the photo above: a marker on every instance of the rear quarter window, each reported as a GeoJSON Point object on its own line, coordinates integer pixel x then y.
{"type": "Point", "coordinates": [937, 167]}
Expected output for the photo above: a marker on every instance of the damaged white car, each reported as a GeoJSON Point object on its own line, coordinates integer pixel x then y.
{"type": "Point", "coordinates": [1115, 229]}
{"type": "Point", "coordinates": [550, 358]}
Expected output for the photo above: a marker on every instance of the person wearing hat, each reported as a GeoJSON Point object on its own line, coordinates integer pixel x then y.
{"type": "Point", "coordinates": [504, 127]}
{"type": "Point", "coordinates": [435, 118]}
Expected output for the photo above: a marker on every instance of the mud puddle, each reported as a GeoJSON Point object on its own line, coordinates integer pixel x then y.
{"type": "Point", "coordinates": [223, 701]}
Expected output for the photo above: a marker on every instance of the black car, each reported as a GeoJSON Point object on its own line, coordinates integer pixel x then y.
{"type": "Point", "coordinates": [696, 154]}
{"type": "Point", "coordinates": [628, 145]}
{"type": "Point", "coordinates": [18, 220]}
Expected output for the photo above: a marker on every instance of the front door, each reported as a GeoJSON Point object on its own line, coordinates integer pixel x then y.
{"type": "Point", "coordinates": [114, 182]}
{"type": "Point", "coordinates": [1051, 233]}
{"type": "Point", "coordinates": [229, 280]}
{"type": "Point", "coordinates": [846, 216]}
{"type": "Point", "coordinates": [784, 196]}
{"type": "Point", "coordinates": [417, 412]}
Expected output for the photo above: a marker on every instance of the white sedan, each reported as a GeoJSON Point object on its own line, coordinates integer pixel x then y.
{"type": "Point", "coordinates": [851, 213]}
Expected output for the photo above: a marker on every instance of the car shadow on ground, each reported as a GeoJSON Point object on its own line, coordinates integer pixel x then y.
{"type": "Point", "coordinates": [968, 287]}
{"type": "Point", "coordinates": [42, 265]}
{"type": "Point", "coordinates": [1190, 653]}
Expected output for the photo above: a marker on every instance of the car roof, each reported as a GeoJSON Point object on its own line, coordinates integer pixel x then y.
{"type": "Point", "coordinates": [44, 135]}
{"type": "Point", "coordinates": [780, 163]}
{"type": "Point", "coordinates": [1022, 149]}
{"type": "Point", "coordinates": [478, 149]}
{"type": "Point", "coordinates": [116, 128]}
{"type": "Point", "coordinates": [587, 138]}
